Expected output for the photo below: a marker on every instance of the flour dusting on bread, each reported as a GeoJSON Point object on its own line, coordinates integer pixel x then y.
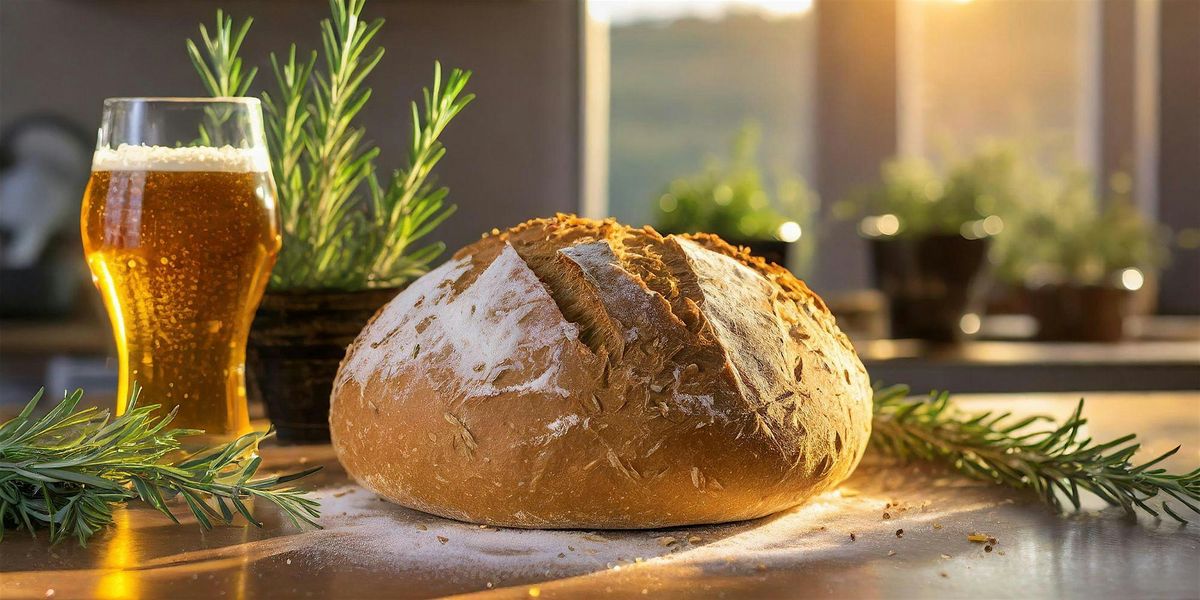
{"type": "Point", "coordinates": [578, 373]}
{"type": "Point", "coordinates": [481, 332]}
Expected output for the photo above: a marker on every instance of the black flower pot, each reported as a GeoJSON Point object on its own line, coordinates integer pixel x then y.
{"type": "Point", "coordinates": [931, 282]}
{"type": "Point", "coordinates": [775, 251]}
{"type": "Point", "coordinates": [296, 344]}
{"type": "Point", "coordinates": [1080, 313]}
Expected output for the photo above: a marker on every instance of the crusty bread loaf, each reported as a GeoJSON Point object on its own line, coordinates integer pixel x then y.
{"type": "Point", "coordinates": [575, 373]}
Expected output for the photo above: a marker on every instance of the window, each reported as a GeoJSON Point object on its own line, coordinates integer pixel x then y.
{"type": "Point", "coordinates": [684, 78]}
{"type": "Point", "coordinates": [977, 69]}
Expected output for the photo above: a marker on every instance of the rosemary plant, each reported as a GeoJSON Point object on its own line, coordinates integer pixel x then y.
{"type": "Point", "coordinates": [343, 229]}
{"type": "Point", "coordinates": [68, 469]}
{"type": "Point", "coordinates": [1055, 462]}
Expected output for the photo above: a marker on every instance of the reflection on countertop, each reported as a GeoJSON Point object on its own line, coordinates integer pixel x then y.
{"type": "Point", "coordinates": [371, 548]}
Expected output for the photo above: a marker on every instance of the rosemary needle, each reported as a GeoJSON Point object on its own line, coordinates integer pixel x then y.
{"type": "Point", "coordinates": [343, 228]}
{"type": "Point", "coordinates": [68, 469]}
{"type": "Point", "coordinates": [1056, 462]}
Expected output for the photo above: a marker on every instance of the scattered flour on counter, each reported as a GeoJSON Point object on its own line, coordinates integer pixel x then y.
{"type": "Point", "coordinates": [365, 532]}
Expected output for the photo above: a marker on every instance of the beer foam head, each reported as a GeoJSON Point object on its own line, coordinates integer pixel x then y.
{"type": "Point", "coordinates": [162, 158]}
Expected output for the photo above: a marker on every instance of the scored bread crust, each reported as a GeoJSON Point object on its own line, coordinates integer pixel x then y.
{"type": "Point", "coordinates": [572, 373]}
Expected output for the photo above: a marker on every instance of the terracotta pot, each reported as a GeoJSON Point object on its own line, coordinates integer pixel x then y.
{"type": "Point", "coordinates": [296, 344]}
{"type": "Point", "coordinates": [930, 282]}
{"type": "Point", "coordinates": [1080, 313]}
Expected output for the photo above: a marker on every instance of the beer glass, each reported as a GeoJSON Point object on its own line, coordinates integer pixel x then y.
{"type": "Point", "coordinates": [180, 231]}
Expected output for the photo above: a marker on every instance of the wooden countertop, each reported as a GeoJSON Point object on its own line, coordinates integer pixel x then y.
{"type": "Point", "coordinates": [371, 548]}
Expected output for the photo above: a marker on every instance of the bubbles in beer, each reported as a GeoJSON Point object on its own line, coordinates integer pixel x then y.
{"type": "Point", "coordinates": [181, 244]}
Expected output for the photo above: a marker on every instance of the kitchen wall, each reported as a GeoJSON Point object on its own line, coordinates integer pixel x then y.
{"type": "Point", "coordinates": [512, 155]}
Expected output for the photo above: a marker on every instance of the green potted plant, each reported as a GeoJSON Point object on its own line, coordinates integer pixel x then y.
{"type": "Point", "coordinates": [351, 238]}
{"type": "Point", "coordinates": [1080, 260]}
{"type": "Point", "coordinates": [733, 199]}
{"type": "Point", "coordinates": [929, 236]}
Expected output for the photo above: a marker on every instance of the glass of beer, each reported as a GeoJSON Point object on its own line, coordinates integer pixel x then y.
{"type": "Point", "coordinates": [180, 231]}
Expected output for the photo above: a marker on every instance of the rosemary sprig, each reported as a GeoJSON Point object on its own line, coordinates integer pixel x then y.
{"type": "Point", "coordinates": [68, 469]}
{"type": "Point", "coordinates": [1056, 462]}
{"type": "Point", "coordinates": [342, 228]}
{"type": "Point", "coordinates": [225, 77]}
{"type": "Point", "coordinates": [411, 206]}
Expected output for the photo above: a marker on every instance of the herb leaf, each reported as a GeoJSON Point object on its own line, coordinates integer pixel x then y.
{"type": "Point", "coordinates": [342, 228]}
{"type": "Point", "coordinates": [67, 470]}
{"type": "Point", "coordinates": [1055, 461]}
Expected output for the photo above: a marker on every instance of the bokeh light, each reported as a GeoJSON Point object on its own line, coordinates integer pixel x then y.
{"type": "Point", "coordinates": [790, 231]}
{"type": "Point", "coordinates": [970, 323]}
{"type": "Point", "coordinates": [1132, 279]}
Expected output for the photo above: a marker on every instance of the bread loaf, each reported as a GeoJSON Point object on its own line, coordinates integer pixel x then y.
{"type": "Point", "coordinates": [570, 373]}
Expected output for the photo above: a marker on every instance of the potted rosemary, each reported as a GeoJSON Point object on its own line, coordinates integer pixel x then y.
{"type": "Point", "coordinates": [732, 199]}
{"type": "Point", "coordinates": [1081, 260]}
{"type": "Point", "coordinates": [351, 238]}
{"type": "Point", "coordinates": [930, 234]}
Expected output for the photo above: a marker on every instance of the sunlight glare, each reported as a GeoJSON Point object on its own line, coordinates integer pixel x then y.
{"type": "Point", "coordinates": [789, 231]}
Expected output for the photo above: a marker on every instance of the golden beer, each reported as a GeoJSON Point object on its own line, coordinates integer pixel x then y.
{"type": "Point", "coordinates": [180, 242]}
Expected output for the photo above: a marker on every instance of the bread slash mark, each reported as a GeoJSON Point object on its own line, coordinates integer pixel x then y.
{"type": "Point", "coordinates": [823, 466]}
